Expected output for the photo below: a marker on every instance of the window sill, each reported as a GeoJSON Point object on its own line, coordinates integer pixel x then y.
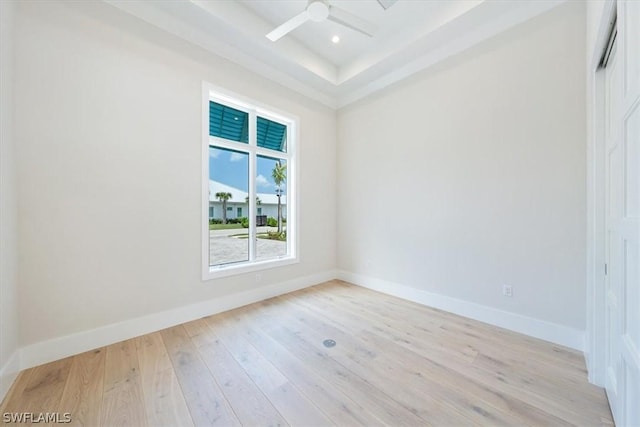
{"type": "Point", "coordinates": [227, 270]}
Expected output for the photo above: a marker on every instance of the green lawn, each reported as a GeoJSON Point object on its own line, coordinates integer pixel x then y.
{"type": "Point", "coordinates": [224, 226]}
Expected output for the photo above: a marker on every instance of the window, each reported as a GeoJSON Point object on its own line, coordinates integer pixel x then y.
{"type": "Point", "coordinates": [248, 164]}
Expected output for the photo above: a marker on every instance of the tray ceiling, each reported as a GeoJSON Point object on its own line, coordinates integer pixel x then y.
{"type": "Point", "coordinates": [409, 36]}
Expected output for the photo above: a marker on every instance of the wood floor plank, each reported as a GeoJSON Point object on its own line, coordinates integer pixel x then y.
{"type": "Point", "coordinates": [368, 361]}
{"type": "Point", "coordinates": [15, 390]}
{"type": "Point", "coordinates": [491, 354]}
{"type": "Point", "coordinates": [285, 397]}
{"type": "Point", "coordinates": [408, 311]}
{"type": "Point", "coordinates": [510, 410]}
{"type": "Point", "coordinates": [306, 343]}
{"type": "Point", "coordinates": [123, 400]}
{"type": "Point", "coordinates": [336, 406]}
{"type": "Point", "coordinates": [357, 396]}
{"type": "Point", "coordinates": [261, 371]}
{"type": "Point", "coordinates": [561, 409]}
{"type": "Point", "coordinates": [41, 390]}
{"type": "Point", "coordinates": [207, 405]}
{"type": "Point", "coordinates": [82, 397]}
{"type": "Point", "coordinates": [199, 332]}
{"type": "Point", "coordinates": [249, 403]}
{"type": "Point", "coordinates": [395, 363]}
{"type": "Point", "coordinates": [164, 401]}
{"type": "Point", "coordinates": [562, 405]}
{"type": "Point", "coordinates": [507, 355]}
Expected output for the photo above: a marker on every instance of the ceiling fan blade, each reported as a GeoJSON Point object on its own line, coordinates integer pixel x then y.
{"type": "Point", "coordinates": [288, 26]}
{"type": "Point", "coordinates": [351, 21]}
{"type": "Point", "coordinates": [386, 4]}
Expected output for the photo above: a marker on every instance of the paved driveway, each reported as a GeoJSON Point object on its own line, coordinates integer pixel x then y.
{"type": "Point", "coordinates": [224, 248]}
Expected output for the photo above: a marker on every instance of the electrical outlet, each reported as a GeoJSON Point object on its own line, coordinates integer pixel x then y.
{"type": "Point", "coordinates": [258, 277]}
{"type": "Point", "coordinates": [507, 290]}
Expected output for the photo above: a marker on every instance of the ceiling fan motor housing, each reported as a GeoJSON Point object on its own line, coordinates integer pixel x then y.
{"type": "Point", "coordinates": [318, 10]}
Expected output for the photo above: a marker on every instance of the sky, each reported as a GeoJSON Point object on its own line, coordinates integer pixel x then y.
{"type": "Point", "coordinates": [232, 168]}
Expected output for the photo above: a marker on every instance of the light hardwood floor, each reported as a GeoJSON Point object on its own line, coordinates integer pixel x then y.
{"type": "Point", "coordinates": [395, 363]}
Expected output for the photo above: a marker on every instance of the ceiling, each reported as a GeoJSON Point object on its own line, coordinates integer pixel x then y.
{"type": "Point", "coordinates": [409, 36]}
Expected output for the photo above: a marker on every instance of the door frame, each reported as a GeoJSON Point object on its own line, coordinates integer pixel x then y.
{"type": "Point", "coordinates": [596, 156]}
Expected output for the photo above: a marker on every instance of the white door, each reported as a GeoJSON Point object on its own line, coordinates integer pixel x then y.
{"type": "Point", "coordinates": [622, 166]}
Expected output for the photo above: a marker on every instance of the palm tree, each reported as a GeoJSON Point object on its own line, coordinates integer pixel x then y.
{"type": "Point", "coordinates": [279, 175]}
{"type": "Point", "coordinates": [258, 201]}
{"type": "Point", "coordinates": [223, 197]}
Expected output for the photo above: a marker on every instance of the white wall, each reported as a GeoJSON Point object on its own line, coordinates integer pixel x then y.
{"type": "Point", "coordinates": [490, 148]}
{"type": "Point", "coordinates": [109, 166]}
{"type": "Point", "coordinates": [595, 11]}
{"type": "Point", "coordinates": [8, 207]}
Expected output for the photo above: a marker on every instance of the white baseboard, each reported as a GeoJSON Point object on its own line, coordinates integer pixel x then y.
{"type": "Point", "coordinates": [8, 373]}
{"type": "Point", "coordinates": [558, 334]}
{"type": "Point", "coordinates": [60, 347]}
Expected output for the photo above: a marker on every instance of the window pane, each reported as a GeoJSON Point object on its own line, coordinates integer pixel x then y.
{"type": "Point", "coordinates": [271, 183]}
{"type": "Point", "coordinates": [228, 192]}
{"type": "Point", "coordinates": [272, 135]}
{"type": "Point", "coordinates": [228, 123]}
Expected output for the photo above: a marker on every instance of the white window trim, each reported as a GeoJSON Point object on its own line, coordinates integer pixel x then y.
{"type": "Point", "coordinates": [212, 92]}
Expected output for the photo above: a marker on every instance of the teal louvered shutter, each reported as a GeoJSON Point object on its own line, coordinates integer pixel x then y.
{"type": "Point", "coordinates": [272, 135]}
{"type": "Point", "coordinates": [228, 123]}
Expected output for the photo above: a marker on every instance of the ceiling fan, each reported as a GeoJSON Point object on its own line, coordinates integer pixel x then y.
{"type": "Point", "coordinates": [322, 10]}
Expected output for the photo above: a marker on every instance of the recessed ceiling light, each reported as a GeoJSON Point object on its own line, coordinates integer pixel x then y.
{"type": "Point", "coordinates": [335, 39]}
